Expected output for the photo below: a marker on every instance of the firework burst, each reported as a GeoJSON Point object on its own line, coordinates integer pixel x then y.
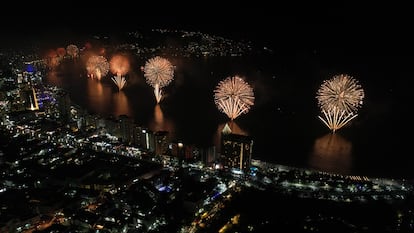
{"type": "Point", "coordinates": [72, 50]}
{"type": "Point", "coordinates": [97, 67]}
{"type": "Point", "coordinates": [341, 91]}
{"type": "Point", "coordinates": [158, 73]}
{"type": "Point", "coordinates": [52, 59]}
{"type": "Point", "coordinates": [119, 65]}
{"type": "Point", "coordinates": [339, 99]}
{"type": "Point", "coordinates": [233, 96]}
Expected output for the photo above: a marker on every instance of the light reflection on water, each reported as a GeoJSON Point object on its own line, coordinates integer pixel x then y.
{"type": "Point", "coordinates": [121, 104]}
{"type": "Point", "coordinates": [160, 123]}
{"type": "Point", "coordinates": [329, 153]}
{"type": "Point", "coordinates": [332, 153]}
{"type": "Point", "coordinates": [98, 96]}
{"type": "Point", "coordinates": [282, 122]}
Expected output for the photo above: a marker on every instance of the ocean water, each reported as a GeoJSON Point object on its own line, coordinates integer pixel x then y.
{"type": "Point", "coordinates": [283, 121]}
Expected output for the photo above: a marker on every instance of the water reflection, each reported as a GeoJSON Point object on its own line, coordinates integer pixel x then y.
{"type": "Point", "coordinates": [193, 83]}
{"type": "Point", "coordinates": [98, 96]}
{"type": "Point", "coordinates": [332, 153]}
{"type": "Point", "coordinates": [53, 78]}
{"type": "Point", "coordinates": [121, 105]}
{"type": "Point", "coordinates": [160, 123]}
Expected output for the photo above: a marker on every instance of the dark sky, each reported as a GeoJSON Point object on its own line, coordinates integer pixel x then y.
{"type": "Point", "coordinates": [379, 33]}
{"type": "Point", "coordinates": [344, 24]}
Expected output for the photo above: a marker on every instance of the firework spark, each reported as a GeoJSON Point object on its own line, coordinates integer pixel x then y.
{"type": "Point", "coordinates": [158, 73]}
{"type": "Point", "coordinates": [61, 52]}
{"type": "Point", "coordinates": [339, 99]}
{"type": "Point", "coordinates": [335, 118]}
{"type": "Point", "coordinates": [72, 50]}
{"type": "Point", "coordinates": [97, 67]}
{"type": "Point", "coordinates": [119, 81]}
{"type": "Point", "coordinates": [52, 59]}
{"type": "Point", "coordinates": [341, 91]}
{"type": "Point", "coordinates": [119, 65]}
{"type": "Point", "coordinates": [233, 96]}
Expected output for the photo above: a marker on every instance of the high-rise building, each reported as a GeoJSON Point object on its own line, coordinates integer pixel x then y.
{"type": "Point", "coordinates": [161, 142]}
{"type": "Point", "coordinates": [236, 151]}
{"type": "Point", "coordinates": [207, 155]}
{"type": "Point", "coordinates": [64, 106]}
{"type": "Point", "coordinates": [112, 126]}
{"type": "Point", "coordinates": [125, 129]}
{"type": "Point", "coordinates": [29, 98]}
{"type": "Point", "coordinates": [144, 138]}
{"type": "Point", "coordinates": [137, 136]}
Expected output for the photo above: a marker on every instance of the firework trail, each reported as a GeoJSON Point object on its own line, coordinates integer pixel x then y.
{"type": "Point", "coordinates": [335, 119]}
{"type": "Point", "coordinates": [233, 96]}
{"type": "Point", "coordinates": [158, 73]}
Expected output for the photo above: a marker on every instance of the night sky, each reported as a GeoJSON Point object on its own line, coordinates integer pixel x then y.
{"type": "Point", "coordinates": [378, 27]}
{"type": "Point", "coordinates": [375, 39]}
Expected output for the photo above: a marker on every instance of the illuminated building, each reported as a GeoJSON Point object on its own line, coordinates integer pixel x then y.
{"type": "Point", "coordinates": [236, 151]}
{"type": "Point", "coordinates": [207, 155]}
{"type": "Point", "coordinates": [144, 138]}
{"type": "Point", "coordinates": [161, 142]}
{"type": "Point", "coordinates": [29, 99]}
{"type": "Point", "coordinates": [137, 135]}
{"type": "Point", "coordinates": [111, 126]}
{"type": "Point", "coordinates": [64, 105]}
{"type": "Point", "coordinates": [125, 129]}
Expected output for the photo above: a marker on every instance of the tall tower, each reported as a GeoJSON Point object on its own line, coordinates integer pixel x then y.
{"type": "Point", "coordinates": [207, 155]}
{"type": "Point", "coordinates": [145, 138]}
{"type": "Point", "coordinates": [64, 104]}
{"type": "Point", "coordinates": [236, 151]}
{"type": "Point", "coordinates": [125, 128]}
{"type": "Point", "coordinates": [161, 142]}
